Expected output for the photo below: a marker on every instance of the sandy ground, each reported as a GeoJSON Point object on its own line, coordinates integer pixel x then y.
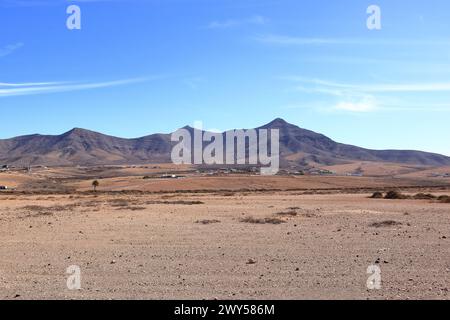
{"type": "Point", "coordinates": [152, 246]}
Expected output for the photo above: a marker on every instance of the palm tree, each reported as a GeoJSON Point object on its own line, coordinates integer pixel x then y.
{"type": "Point", "coordinates": [95, 184]}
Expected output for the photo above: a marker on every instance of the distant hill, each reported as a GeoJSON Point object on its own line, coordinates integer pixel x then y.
{"type": "Point", "coordinates": [298, 148]}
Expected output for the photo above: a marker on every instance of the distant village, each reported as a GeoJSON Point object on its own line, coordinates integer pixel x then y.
{"type": "Point", "coordinates": [206, 171]}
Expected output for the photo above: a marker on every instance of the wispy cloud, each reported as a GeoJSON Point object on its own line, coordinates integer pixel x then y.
{"type": "Point", "coordinates": [232, 23]}
{"type": "Point", "coordinates": [285, 40]}
{"type": "Point", "coordinates": [364, 98]}
{"type": "Point", "coordinates": [338, 88]}
{"type": "Point", "coordinates": [9, 49]}
{"type": "Point", "coordinates": [22, 89]}
{"type": "Point", "coordinates": [367, 104]}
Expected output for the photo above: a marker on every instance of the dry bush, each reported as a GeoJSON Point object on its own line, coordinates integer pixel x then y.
{"type": "Point", "coordinates": [386, 223]}
{"type": "Point", "coordinates": [207, 221]}
{"type": "Point", "coordinates": [136, 208]}
{"type": "Point", "coordinates": [291, 213]}
{"type": "Point", "coordinates": [262, 220]}
{"type": "Point", "coordinates": [444, 199]}
{"type": "Point", "coordinates": [180, 202]}
{"type": "Point", "coordinates": [38, 214]}
{"type": "Point", "coordinates": [377, 195]}
{"type": "Point", "coordinates": [424, 196]}
{"type": "Point", "coordinates": [309, 215]}
{"type": "Point", "coordinates": [394, 195]}
{"type": "Point", "coordinates": [35, 208]}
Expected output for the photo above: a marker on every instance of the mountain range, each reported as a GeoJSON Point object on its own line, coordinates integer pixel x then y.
{"type": "Point", "coordinates": [298, 148]}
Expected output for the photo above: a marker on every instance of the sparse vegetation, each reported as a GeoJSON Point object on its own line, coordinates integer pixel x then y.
{"type": "Point", "coordinates": [386, 223]}
{"type": "Point", "coordinates": [309, 215]}
{"type": "Point", "coordinates": [262, 220]}
{"type": "Point", "coordinates": [424, 196]}
{"type": "Point", "coordinates": [95, 184]}
{"type": "Point", "coordinates": [180, 202]}
{"type": "Point", "coordinates": [35, 208]}
{"type": "Point", "coordinates": [291, 213]}
{"type": "Point", "coordinates": [444, 199]}
{"type": "Point", "coordinates": [207, 221]}
{"type": "Point", "coordinates": [393, 194]}
{"type": "Point", "coordinates": [136, 208]}
{"type": "Point", "coordinates": [377, 195]}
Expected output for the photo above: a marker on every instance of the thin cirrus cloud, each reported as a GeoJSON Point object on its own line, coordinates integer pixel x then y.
{"type": "Point", "coordinates": [365, 98]}
{"type": "Point", "coordinates": [285, 40]}
{"type": "Point", "coordinates": [9, 49]}
{"type": "Point", "coordinates": [232, 23]}
{"type": "Point", "coordinates": [23, 89]}
{"type": "Point", "coordinates": [365, 105]}
{"type": "Point", "coordinates": [339, 88]}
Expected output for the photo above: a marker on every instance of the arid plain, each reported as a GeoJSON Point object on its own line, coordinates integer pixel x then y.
{"type": "Point", "coordinates": [147, 235]}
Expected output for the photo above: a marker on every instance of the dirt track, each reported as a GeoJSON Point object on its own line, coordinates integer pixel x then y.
{"type": "Point", "coordinates": [152, 246]}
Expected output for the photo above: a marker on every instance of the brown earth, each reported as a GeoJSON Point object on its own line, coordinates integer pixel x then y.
{"type": "Point", "coordinates": [226, 245]}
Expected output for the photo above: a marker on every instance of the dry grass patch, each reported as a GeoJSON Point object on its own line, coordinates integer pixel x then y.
{"type": "Point", "coordinates": [424, 196]}
{"type": "Point", "coordinates": [290, 213]}
{"type": "Point", "coordinates": [444, 199]}
{"type": "Point", "coordinates": [262, 220]}
{"type": "Point", "coordinates": [393, 194]}
{"type": "Point", "coordinates": [176, 202]}
{"type": "Point", "coordinates": [66, 207]}
{"type": "Point", "coordinates": [377, 195]}
{"type": "Point", "coordinates": [386, 223]}
{"type": "Point", "coordinates": [207, 221]}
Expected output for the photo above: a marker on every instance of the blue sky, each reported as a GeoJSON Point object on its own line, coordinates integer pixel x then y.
{"type": "Point", "coordinates": [143, 66]}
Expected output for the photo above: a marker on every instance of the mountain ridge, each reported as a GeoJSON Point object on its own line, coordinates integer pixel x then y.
{"type": "Point", "coordinates": [298, 148]}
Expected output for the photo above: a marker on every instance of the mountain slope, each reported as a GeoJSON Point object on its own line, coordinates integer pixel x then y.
{"type": "Point", "coordinates": [298, 147]}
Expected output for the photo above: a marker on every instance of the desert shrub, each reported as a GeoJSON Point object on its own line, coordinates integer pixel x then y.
{"type": "Point", "coordinates": [34, 208]}
{"type": "Point", "coordinates": [386, 223]}
{"type": "Point", "coordinates": [180, 202]}
{"type": "Point", "coordinates": [377, 195]}
{"type": "Point", "coordinates": [394, 195]}
{"type": "Point", "coordinates": [262, 220]}
{"type": "Point", "coordinates": [444, 199]}
{"type": "Point", "coordinates": [309, 215]}
{"type": "Point", "coordinates": [207, 221]}
{"type": "Point", "coordinates": [424, 196]}
{"type": "Point", "coordinates": [136, 208]}
{"type": "Point", "coordinates": [291, 213]}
